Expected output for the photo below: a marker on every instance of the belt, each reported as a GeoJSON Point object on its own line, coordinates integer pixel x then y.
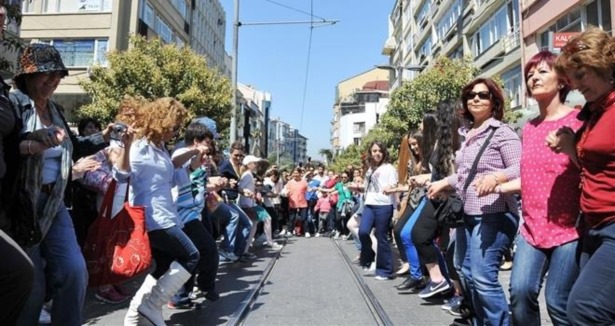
{"type": "Point", "coordinates": [47, 188]}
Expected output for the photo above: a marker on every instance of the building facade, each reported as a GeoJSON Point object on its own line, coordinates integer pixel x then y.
{"type": "Point", "coordinates": [208, 32]}
{"type": "Point", "coordinates": [8, 57]}
{"type": "Point", "coordinates": [84, 31]}
{"type": "Point", "coordinates": [360, 113]}
{"type": "Point", "coordinates": [485, 31]}
{"type": "Point", "coordinates": [255, 108]}
{"type": "Point", "coordinates": [547, 24]}
{"type": "Point", "coordinates": [344, 93]}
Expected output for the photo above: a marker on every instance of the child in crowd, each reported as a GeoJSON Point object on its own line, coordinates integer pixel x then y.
{"type": "Point", "coordinates": [322, 208]}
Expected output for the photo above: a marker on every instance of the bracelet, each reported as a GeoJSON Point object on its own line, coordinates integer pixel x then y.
{"type": "Point", "coordinates": [30, 147]}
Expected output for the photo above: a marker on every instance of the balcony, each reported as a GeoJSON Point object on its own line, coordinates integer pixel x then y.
{"type": "Point", "coordinates": [511, 41]}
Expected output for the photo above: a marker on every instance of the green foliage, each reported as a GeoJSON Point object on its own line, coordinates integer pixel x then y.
{"type": "Point", "coordinates": [349, 156]}
{"type": "Point", "coordinates": [152, 69]}
{"type": "Point", "coordinates": [10, 43]}
{"type": "Point", "coordinates": [327, 154]}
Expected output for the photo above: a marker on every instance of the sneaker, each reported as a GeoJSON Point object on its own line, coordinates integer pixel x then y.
{"type": "Point", "coordinates": [317, 235]}
{"type": "Point", "coordinates": [506, 266]}
{"type": "Point", "coordinates": [462, 322]}
{"type": "Point", "coordinates": [307, 235]}
{"type": "Point", "coordinates": [452, 302]}
{"type": "Point", "coordinates": [45, 317]}
{"type": "Point", "coordinates": [195, 294]}
{"type": "Point", "coordinates": [337, 235]}
{"type": "Point", "coordinates": [456, 310]}
{"type": "Point", "coordinates": [227, 256]}
{"type": "Point", "coordinates": [434, 288]}
{"type": "Point", "coordinates": [248, 255]}
{"type": "Point", "coordinates": [356, 259]}
{"type": "Point", "coordinates": [411, 283]}
{"type": "Point", "coordinates": [275, 246]}
{"type": "Point", "coordinates": [184, 304]}
{"type": "Point", "coordinates": [282, 233]}
{"type": "Point", "coordinates": [110, 296]}
{"type": "Point", "coordinates": [383, 278]}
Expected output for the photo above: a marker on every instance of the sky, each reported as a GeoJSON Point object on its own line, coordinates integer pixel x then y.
{"type": "Point", "coordinates": [273, 58]}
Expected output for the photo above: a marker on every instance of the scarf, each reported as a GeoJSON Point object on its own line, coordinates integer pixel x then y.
{"type": "Point", "coordinates": [31, 171]}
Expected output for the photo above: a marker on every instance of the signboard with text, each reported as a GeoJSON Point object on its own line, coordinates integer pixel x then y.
{"type": "Point", "coordinates": [560, 39]}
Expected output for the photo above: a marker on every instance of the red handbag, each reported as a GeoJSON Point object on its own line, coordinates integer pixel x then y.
{"type": "Point", "coordinates": [117, 249]}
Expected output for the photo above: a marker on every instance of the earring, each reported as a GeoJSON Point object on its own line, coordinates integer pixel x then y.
{"type": "Point", "coordinates": [560, 86]}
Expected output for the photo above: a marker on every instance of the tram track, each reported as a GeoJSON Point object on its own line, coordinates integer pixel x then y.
{"type": "Point", "coordinates": [378, 313]}
{"type": "Point", "coordinates": [239, 316]}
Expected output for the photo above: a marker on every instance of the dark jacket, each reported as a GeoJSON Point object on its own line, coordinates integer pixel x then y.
{"type": "Point", "coordinates": [226, 170]}
{"type": "Point", "coordinates": [9, 152]}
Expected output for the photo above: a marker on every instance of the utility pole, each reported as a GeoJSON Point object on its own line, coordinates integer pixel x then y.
{"type": "Point", "coordinates": [236, 25]}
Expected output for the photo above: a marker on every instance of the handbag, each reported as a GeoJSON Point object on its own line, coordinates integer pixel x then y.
{"type": "Point", "coordinates": [117, 249]}
{"type": "Point", "coordinates": [449, 212]}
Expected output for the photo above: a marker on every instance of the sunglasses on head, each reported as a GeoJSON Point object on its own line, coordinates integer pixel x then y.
{"type": "Point", "coordinates": [574, 47]}
{"type": "Point", "coordinates": [481, 95]}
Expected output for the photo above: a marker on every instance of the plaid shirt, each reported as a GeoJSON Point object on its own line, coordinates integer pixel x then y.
{"type": "Point", "coordinates": [503, 154]}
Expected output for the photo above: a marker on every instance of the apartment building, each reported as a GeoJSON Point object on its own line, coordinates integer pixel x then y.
{"type": "Point", "coordinates": [255, 108]}
{"type": "Point", "coordinates": [546, 25]}
{"type": "Point", "coordinates": [8, 57]}
{"type": "Point", "coordinates": [345, 92]}
{"type": "Point", "coordinates": [487, 31]}
{"type": "Point", "coordinates": [362, 111]}
{"type": "Point", "coordinates": [84, 31]}
{"type": "Point", "coordinates": [208, 32]}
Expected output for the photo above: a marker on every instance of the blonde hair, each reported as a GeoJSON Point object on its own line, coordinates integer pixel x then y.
{"type": "Point", "coordinates": [593, 49]}
{"type": "Point", "coordinates": [158, 117]}
{"type": "Point", "coordinates": [130, 105]}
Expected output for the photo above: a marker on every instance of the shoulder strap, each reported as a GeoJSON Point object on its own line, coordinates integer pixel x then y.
{"type": "Point", "coordinates": [477, 159]}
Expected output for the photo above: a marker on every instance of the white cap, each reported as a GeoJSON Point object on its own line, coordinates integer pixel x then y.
{"type": "Point", "coordinates": [251, 159]}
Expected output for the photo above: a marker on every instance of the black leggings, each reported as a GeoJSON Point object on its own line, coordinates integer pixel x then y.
{"type": "Point", "coordinates": [399, 225]}
{"type": "Point", "coordinates": [425, 231]}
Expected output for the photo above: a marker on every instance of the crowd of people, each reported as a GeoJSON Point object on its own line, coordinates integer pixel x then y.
{"type": "Point", "coordinates": [203, 208]}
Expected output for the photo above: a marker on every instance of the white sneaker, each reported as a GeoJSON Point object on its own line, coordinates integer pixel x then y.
{"type": "Point", "coordinates": [307, 235]}
{"type": "Point", "coordinates": [45, 317]}
{"type": "Point", "coordinates": [275, 246]}
{"type": "Point", "coordinates": [337, 235]}
{"type": "Point", "coordinates": [282, 233]}
{"type": "Point", "coordinates": [317, 235]}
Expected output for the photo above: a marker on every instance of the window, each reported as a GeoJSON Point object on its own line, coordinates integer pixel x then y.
{"type": "Point", "coordinates": [598, 14]}
{"type": "Point", "coordinates": [82, 53]}
{"type": "Point", "coordinates": [68, 6]}
{"type": "Point", "coordinates": [457, 53]}
{"type": "Point", "coordinates": [425, 49]}
{"type": "Point", "coordinates": [357, 141]}
{"type": "Point", "coordinates": [358, 127]}
{"type": "Point", "coordinates": [504, 22]}
{"type": "Point", "coordinates": [181, 7]}
{"type": "Point", "coordinates": [512, 85]}
{"type": "Point", "coordinates": [163, 30]}
{"type": "Point", "coordinates": [421, 17]}
{"type": "Point", "coordinates": [148, 15]}
{"type": "Point", "coordinates": [570, 22]}
{"type": "Point", "coordinates": [449, 19]}
{"type": "Point", "coordinates": [27, 7]}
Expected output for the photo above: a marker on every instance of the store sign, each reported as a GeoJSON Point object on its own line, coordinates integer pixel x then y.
{"type": "Point", "coordinates": [560, 39]}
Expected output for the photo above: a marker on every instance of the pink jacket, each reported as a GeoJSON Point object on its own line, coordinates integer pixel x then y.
{"type": "Point", "coordinates": [323, 205]}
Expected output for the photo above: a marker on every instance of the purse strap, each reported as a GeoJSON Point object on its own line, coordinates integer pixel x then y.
{"type": "Point", "coordinates": [107, 204]}
{"type": "Point", "coordinates": [477, 159]}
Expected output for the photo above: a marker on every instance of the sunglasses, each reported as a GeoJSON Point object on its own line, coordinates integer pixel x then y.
{"type": "Point", "coordinates": [574, 47]}
{"type": "Point", "coordinates": [481, 95]}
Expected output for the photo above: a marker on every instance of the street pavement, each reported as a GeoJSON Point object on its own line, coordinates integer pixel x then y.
{"type": "Point", "coordinates": [309, 285]}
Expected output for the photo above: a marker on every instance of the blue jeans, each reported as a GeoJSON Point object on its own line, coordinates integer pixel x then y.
{"type": "Point", "coordinates": [531, 265]}
{"type": "Point", "coordinates": [406, 239]}
{"type": "Point", "coordinates": [378, 217]}
{"type": "Point", "coordinates": [591, 300]}
{"type": "Point", "coordinates": [485, 240]}
{"type": "Point", "coordinates": [169, 245]}
{"type": "Point", "coordinates": [58, 266]}
{"type": "Point", "coordinates": [237, 227]}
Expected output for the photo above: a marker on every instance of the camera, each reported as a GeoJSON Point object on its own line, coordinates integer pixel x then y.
{"type": "Point", "coordinates": [117, 130]}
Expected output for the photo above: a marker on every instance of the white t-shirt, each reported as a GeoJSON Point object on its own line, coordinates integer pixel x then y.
{"type": "Point", "coordinates": [384, 176]}
{"type": "Point", "coordinates": [277, 189]}
{"type": "Point", "coordinates": [246, 182]}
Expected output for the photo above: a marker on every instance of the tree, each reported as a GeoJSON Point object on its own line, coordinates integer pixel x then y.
{"type": "Point", "coordinates": [352, 155]}
{"type": "Point", "coordinates": [10, 43]}
{"type": "Point", "coordinates": [152, 69]}
{"type": "Point", "coordinates": [327, 154]}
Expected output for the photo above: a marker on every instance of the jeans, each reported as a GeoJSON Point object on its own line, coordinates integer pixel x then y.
{"type": "Point", "coordinates": [531, 265]}
{"type": "Point", "coordinates": [591, 300]}
{"type": "Point", "coordinates": [401, 222]}
{"type": "Point", "coordinates": [378, 217]}
{"type": "Point", "coordinates": [237, 227]}
{"type": "Point", "coordinates": [296, 215]}
{"type": "Point", "coordinates": [207, 267]}
{"type": "Point", "coordinates": [406, 239]}
{"type": "Point", "coordinates": [485, 240]}
{"type": "Point", "coordinates": [58, 266]}
{"type": "Point", "coordinates": [169, 245]}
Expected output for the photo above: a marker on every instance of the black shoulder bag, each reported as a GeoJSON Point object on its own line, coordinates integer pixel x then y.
{"type": "Point", "coordinates": [450, 211]}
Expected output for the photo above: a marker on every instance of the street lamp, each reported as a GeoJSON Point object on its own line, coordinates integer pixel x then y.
{"type": "Point", "coordinates": [398, 70]}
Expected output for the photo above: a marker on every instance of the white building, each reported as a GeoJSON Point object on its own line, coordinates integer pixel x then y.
{"type": "Point", "coordinates": [359, 114]}
{"type": "Point", "coordinates": [208, 32]}
{"type": "Point", "coordinates": [252, 124]}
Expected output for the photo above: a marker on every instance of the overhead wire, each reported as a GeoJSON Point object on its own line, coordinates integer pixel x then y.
{"type": "Point", "coordinates": [311, 14]}
{"type": "Point", "coordinates": [307, 68]}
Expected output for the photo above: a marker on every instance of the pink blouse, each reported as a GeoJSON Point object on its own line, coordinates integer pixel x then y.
{"type": "Point", "coordinates": [549, 186]}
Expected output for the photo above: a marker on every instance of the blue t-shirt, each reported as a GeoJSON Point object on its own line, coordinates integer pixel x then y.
{"type": "Point", "coordinates": [312, 195]}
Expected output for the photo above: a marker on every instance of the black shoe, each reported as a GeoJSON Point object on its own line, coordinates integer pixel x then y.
{"type": "Point", "coordinates": [409, 283]}
{"type": "Point", "coordinates": [461, 322]}
{"type": "Point", "coordinates": [212, 296]}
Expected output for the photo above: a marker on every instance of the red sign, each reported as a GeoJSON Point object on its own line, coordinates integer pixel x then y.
{"type": "Point", "coordinates": [560, 39]}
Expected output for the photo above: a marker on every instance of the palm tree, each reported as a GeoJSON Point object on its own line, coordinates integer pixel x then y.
{"type": "Point", "coordinates": [327, 154]}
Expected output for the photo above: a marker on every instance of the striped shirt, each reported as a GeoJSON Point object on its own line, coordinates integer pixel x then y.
{"type": "Point", "coordinates": [190, 194]}
{"type": "Point", "coordinates": [503, 154]}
